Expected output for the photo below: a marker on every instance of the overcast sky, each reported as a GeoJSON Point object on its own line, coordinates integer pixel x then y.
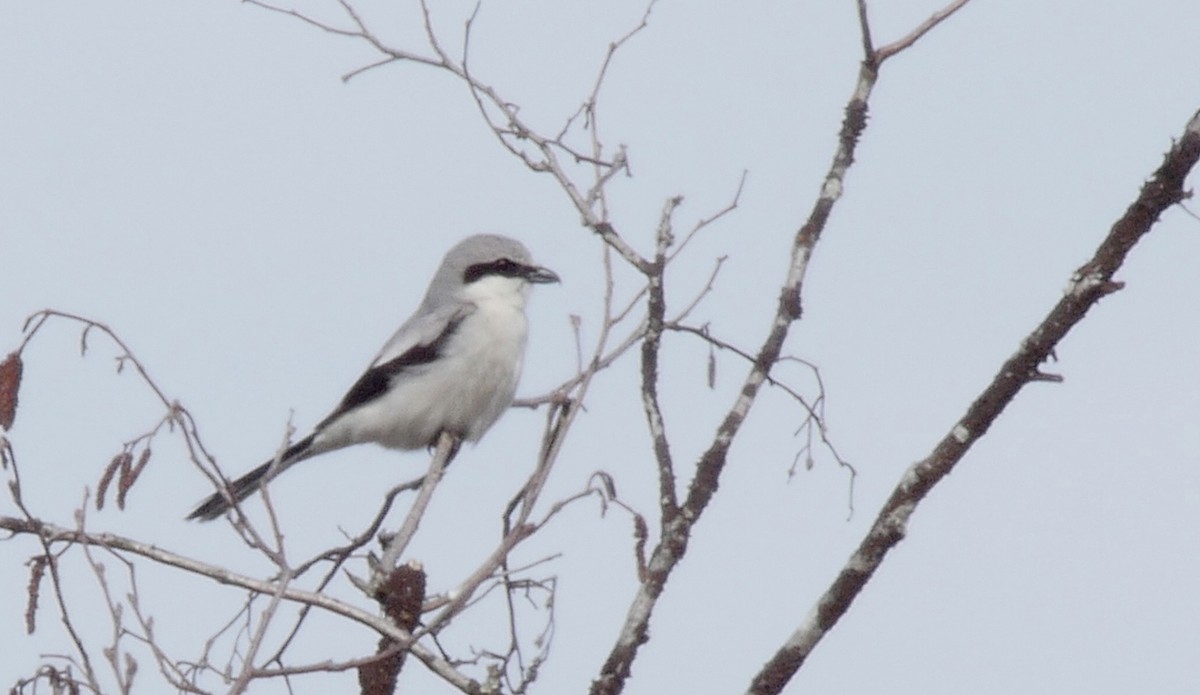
{"type": "Point", "coordinates": [198, 177]}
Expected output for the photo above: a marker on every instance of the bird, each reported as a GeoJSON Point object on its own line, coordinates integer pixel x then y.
{"type": "Point", "coordinates": [453, 366]}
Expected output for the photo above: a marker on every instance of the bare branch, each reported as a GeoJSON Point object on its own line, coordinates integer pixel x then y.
{"type": "Point", "coordinates": [447, 447]}
{"type": "Point", "coordinates": [1091, 282]}
{"type": "Point", "coordinates": [242, 683]}
{"type": "Point", "coordinates": [915, 35]}
{"type": "Point", "coordinates": [864, 28]}
{"type": "Point", "coordinates": [38, 319]}
{"type": "Point", "coordinates": [673, 545]}
{"type": "Point", "coordinates": [656, 307]}
{"type": "Point", "coordinates": [338, 556]}
{"type": "Point", "coordinates": [589, 109]}
{"type": "Point", "coordinates": [360, 32]}
{"type": "Point", "coordinates": [707, 336]}
{"type": "Point", "coordinates": [50, 534]}
{"type": "Point", "coordinates": [50, 560]}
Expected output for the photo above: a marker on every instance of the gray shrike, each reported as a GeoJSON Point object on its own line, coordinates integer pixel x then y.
{"type": "Point", "coordinates": [453, 366]}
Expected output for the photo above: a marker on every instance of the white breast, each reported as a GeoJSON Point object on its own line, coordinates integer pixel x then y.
{"type": "Point", "coordinates": [464, 391]}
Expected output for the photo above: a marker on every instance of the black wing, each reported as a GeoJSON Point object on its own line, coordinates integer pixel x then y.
{"type": "Point", "coordinates": [376, 380]}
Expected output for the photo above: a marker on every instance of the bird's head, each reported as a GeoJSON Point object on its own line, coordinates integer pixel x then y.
{"type": "Point", "coordinates": [487, 266]}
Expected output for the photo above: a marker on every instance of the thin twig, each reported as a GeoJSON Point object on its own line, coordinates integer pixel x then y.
{"type": "Point", "coordinates": [915, 35]}
{"type": "Point", "coordinates": [50, 534]}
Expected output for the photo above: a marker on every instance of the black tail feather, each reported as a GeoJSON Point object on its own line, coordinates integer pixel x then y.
{"type": "Point", "coordinates": [217, 503]}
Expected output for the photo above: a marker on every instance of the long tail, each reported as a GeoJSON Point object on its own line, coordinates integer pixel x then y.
{"type": "Point", "coordinates": [217, 503]}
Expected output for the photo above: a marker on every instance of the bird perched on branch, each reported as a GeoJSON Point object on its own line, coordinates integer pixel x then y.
{"type": "Point", "coordinates": [452, 366]}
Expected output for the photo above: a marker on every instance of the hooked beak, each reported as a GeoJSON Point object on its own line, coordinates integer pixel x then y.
{"type": "Point", "coordinates": [540, 276]}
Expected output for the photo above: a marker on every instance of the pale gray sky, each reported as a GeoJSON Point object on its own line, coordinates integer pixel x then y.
{"type": "Point", "coordinates": [197, 176]}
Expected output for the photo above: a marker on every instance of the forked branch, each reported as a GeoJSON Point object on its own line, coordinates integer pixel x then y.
{"type": "Point", "coordinates": [676, 532]}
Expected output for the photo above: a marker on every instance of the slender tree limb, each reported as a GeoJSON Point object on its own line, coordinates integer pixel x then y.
{"type": "Point", "coordinates": [48, 560]}
{"type": "Point", "coordinates": [1091, 282]}
{"type": "Point", "coordinates": [447, 447]}
{"type": "Point", "coordinates": [864, 30]}
{"type": "Point", "coordinates": [656, 307]}
{"type": "Point", "coordinates": [891, 49]}
{"type": "Point", "coordinates": [677, 532]}
{"type": "Point", "coordinates": [50, 534]}
{"type": "Point", "coordinates": [815, 411]}
{"type": "Point", "coordinates": [516, 528]}
{"type": "Point", "coordinates": [259, 635]}
{"type": "Point", "coordinates": [604, 360]}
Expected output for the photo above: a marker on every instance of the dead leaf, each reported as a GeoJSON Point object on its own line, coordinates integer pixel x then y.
{"type": "Point", "coordinates": [10, 382]}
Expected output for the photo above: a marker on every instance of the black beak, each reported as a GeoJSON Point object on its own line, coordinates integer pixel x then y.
{"type": "Point", "coordinates": [540, 276]}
